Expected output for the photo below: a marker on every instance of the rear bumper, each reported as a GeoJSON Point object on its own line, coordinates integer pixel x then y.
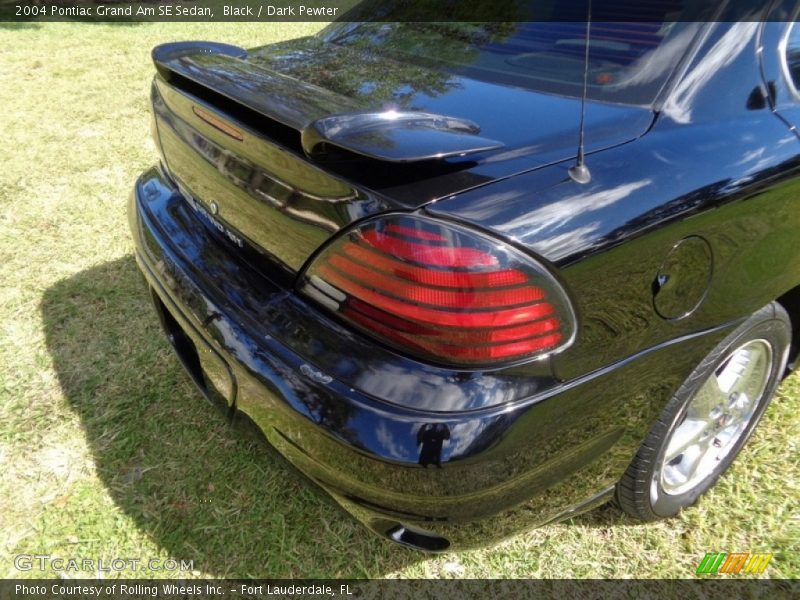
{"type": "Point", "coordinates": [430, 479]}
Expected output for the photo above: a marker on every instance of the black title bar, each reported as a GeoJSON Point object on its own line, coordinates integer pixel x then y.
{"type": "Point", "coordinates": [149, 589]}
{"type": "Point", "coordinates": [384, 10]}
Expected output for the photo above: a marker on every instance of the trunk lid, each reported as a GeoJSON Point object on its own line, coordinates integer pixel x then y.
{"type": "Point", "coordinates": [230, 127]}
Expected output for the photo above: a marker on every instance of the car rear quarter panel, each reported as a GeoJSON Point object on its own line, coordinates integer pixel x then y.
{"type": "Point", "coordinates": [547, 451]}
{"type": "Point", "coordinates": [710, 167]}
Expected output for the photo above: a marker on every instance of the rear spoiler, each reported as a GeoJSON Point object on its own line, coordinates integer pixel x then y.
{"type": "Point", "coordinates": [325, 120]}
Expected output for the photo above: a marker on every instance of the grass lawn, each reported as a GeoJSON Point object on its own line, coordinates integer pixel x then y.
{"type": "Point", "coordinates": [107, 451]}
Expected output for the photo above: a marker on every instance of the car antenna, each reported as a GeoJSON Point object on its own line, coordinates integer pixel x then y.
{"type": "Point", "coordinates": [579, 172]}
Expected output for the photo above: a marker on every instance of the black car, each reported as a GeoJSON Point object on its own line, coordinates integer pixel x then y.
{"type": "Point", "coordinates": [476, 277]}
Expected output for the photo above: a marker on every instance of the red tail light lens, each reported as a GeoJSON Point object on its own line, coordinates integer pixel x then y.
{"type": "Point", "coordinates": [442, 292]}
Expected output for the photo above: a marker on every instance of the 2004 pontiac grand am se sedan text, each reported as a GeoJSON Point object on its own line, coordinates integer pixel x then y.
{"type": "Point", "coordinates": [475, 277]}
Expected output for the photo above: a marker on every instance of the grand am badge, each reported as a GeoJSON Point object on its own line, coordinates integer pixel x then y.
{"type": "Point", "coordinates": [208, 213]}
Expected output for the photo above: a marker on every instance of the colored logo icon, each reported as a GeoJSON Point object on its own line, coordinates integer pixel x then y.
{"type": "Point", "coordinates": [736, 563]}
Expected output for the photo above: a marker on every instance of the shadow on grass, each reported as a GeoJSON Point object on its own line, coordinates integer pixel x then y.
{"type": "Point", "coordinates": [197, 488]}
{"type": "Point", "coordinates": [121, 22]}
{"type": "Point", "coordinates": [603, 517]}
{"type": "Point", "coordinates": [18, 25]}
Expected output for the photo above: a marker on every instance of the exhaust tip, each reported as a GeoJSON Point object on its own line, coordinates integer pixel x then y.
{"type": "Point", "coordinates": [418, 539]}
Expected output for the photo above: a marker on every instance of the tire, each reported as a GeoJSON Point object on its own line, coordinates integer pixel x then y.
{"type": "Point", "coordinates": [709, 419]}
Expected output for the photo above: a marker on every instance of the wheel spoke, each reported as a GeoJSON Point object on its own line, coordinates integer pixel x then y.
{"type": "Point", "coordinates": [731, 373]}
{"type": "Point", "coordinates": [682, 468]}
{"type": "Point", "coordinates": [728, 435]}
{"type": "Point", "coordinates": [741, 406]}
{"type": "Point", "coordinates": [752, 372]}
{"type": "Point", "coordinates": [685, 436]}
{"type": "Point", "coordinates": [708, 397]}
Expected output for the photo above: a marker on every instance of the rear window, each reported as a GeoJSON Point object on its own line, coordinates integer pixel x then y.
{"type": "Point", "coordinates": [629, 62]}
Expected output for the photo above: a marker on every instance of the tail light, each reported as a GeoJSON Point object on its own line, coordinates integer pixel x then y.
{"type": "Point", "coordinates": [442, 292]}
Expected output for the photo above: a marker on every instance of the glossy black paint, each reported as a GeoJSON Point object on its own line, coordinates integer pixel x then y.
{"type": "Point", "coordinates": [285, 89]}
{"type": "Point", "coordinates": [469, 456]}
{"type": "Point", "coordinates": [540, 453]}
{"type": "Point", "coordinates": [394, 136]}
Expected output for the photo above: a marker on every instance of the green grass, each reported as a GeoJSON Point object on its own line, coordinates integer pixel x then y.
{"type": "Point", "coordinates": [107, 451]}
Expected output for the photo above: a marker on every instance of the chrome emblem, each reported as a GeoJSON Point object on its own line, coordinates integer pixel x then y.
{"type": "Point", "coordinates": [312, 373]}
